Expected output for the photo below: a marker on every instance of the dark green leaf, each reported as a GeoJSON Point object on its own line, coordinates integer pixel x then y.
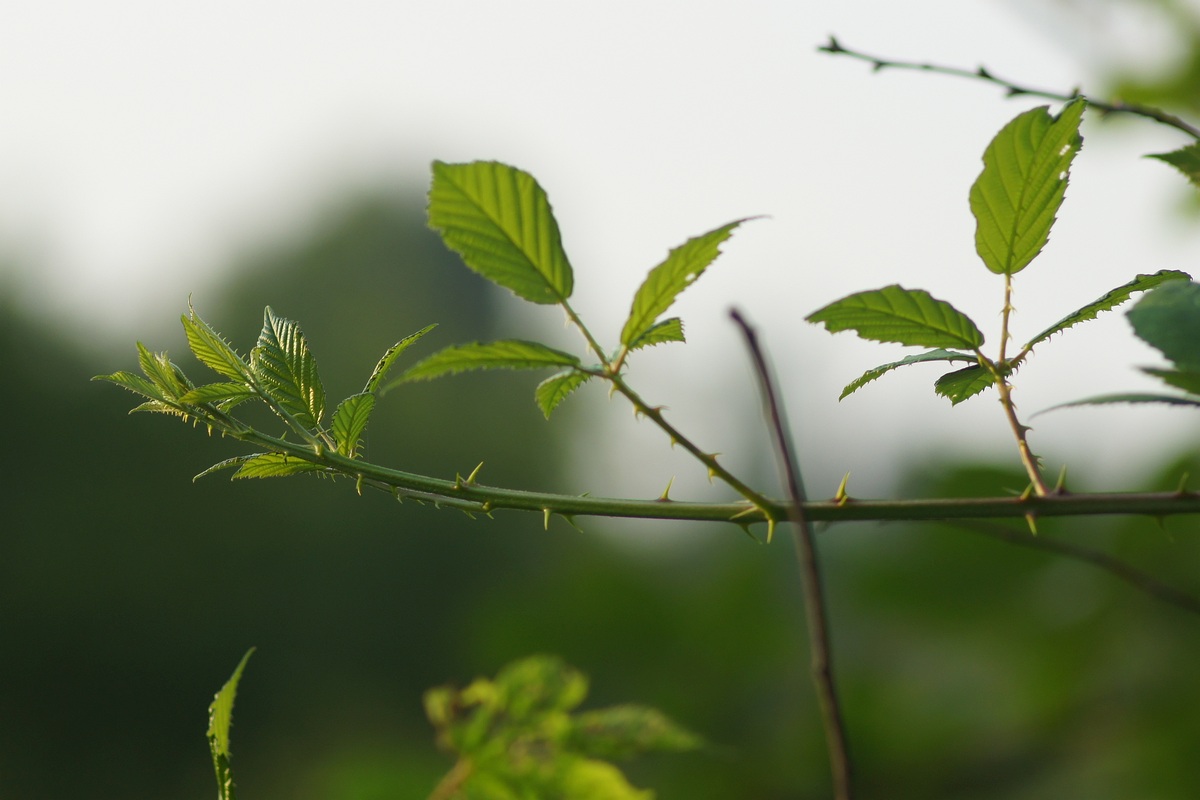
{"type": "Point", "coordinates": [669, 330]}
{"type": "Point", "coordinates": [220, 720]}
{"type": "Point", "coordinates": [212, 350]}
{"type": "Point", "coordinates": [218, 393]}
{"type": "Point", "coordinates": [273, 465]}
{"type": "Point", "coordinates": [1188, 381]}
{"type": "Point", "coordinates": [1168, 319]}
{"type": "Point", "coordinates": [1186, 160]}
{"type": "Point", "coordinates": [1021, 188]}
{"type": "Point", "coordinates": [283, 365]}
{"type": "Point", "coordinates": [557, 388]}
{"type": "Point", "coordinates": [680, 270]}
{"type": "Point", "coordinates": [1132, 398]}
{"type": "Point", "coordinates": [628, 730]}
{"type": "Point", "coordinates": [1109, 301]}
{"type": "Point", "coordinates": [506, 354]}
{"type": "Point", "coordinates": [350, 420]}
{"type": "Point", "coordinates": [499, 220]}
{"type": "Point", "coordinates": [932, 355]}
{"type": "Point", "coordinates": [963, 383]}
{"type": "Point", "coordinates": [896, 314]}
{"type": "Point", "coordinates": [389, 358]}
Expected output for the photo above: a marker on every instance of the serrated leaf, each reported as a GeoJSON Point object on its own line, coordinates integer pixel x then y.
{"type": "Point", "coordinates": [350, 420]}
{"type": "Point", "coordinates": [680, 270]}
{"type": "Point", "coordinates": [162, 373]}
{"type": "Point", "coordinates": [882, 369]}
{"type": "Point", "coordinates": [504, 354]}
{"type": "Point", "coordinates": [161, 407]}
{"type": "Point", "coordinates": [1180, 379]}
{"type": "Point", "coordinates": [389, 358]}
{"type": "Point", "coordinates": [1024, 179]}
{"type": "Point", "coordinates": [627, 730]}
{"type": "Point", "coordinates": [134, 383]}
{"type": "Point", "coordinates": [212, 350]}
{"type": "Point", "coordinates": [1136, 398]}
{"type": "Point", "coordinates": [1168, 319]}
{"type": "Point", "coordinates": [1109, 301]}
{"type": "Point", "coordinates": [220, 720]}
{"type": "Point", "coordinates": [499, 220]}
{"type": "Point", "coordinates": [1185, 159]}
{"type": "Point", "coordinates": [228, 463]}
{"type": "Point", "coordinates": [218, 393]}
{"type": "Point", "coordinates": [272, 465]}
{"type": "Point", "coordinates": [963, 383]}
{"type": "Point", "coordinates": [284, 366]}
{"type": "Point", "coordinates": [896, 314]}
{"type": "Point", "coordinates": [557, 388]}
{"type": "Point", "coordinates": [669, 330]}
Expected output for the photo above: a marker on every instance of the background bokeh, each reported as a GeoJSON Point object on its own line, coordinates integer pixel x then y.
{"type": "Point", "coordinates": [271, 154]}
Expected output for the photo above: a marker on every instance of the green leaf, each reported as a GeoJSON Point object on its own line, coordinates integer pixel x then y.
{"type": "Point", "coordinates": [538, 684]}
{"type": "Point", "coordinates": [1168, 319]}
{"type": "Point", "coordinates": [1185, 159]}
{"type": "Point", "coordinates": [499, 220]}
{"type": "Point", "coordinates": [218, 393]}
{"type": "Point", "coordinates": [505, 354]}
{"type": "Point", "coordinates": [1108, 302]}
{"type": "Point", "coordinates": [680, 270]}
{"type": "Point", "coordinates": [134, 383]}
{"type": "Point", "coordinates": [1189, 381]}
{"type": "Point", "coordinates": [669, 330]}
{"type": "Point", "coordinates": [932, 355]}
{"type": "Point", "coordinates": [283, 365]}
{"type": "Point", "coordinates": [963, 383]}
{"type": "Point", "coordinates": [1133, 398]}
{"type": "Point", "coordinates": [271, 465]}
{"type": "Point", "coordinates": [557, 388]}
{"type": "Point", "coordinates": [167, 377]}
{"type": "Point", "coordinates": [896, 314]}
{"type": "Point", "coordinates": [350, 420]}
{"type": "Point", "coordinates": [627, 730]}
{"type": "Point", "coordinates": [389, 358]}
{"type": "Point", "coordinates": [220, 720]}
{"type": "Point", "coordinates": [1021, 188]}
{"type": "Point", "coordinates": [212, 350]}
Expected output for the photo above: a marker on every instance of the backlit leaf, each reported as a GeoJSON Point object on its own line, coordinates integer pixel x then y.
{"type": "Point", "coordinates": [134, 383]}
{"type": "Point", "coordinates": [212, 350]}
{"type": "Point", "coordinates": [1168, 319]}
{"type": "Point", "coordinates": [273, 465]}
{"type": "Point", "coordinates": [932, 355]}
{"type": "Point", "coordinates": [499, 220]}
{"type": "Point", "coordinates": [557, 388]}
{"type": "Point", "coordinates": [680, 270]}
{"type": "Point", "coordinates": [220, 720]}
{"type": "Point", "coordinates": [505, 354]}
{"type": "Point", "coordinates": [218, 393]}
{"type": "Point", "coordinates": [963, 383]}
{"type": "Point", "coordinates": [284, 366]}
{"type": "Point", "coordinates": [1024, 179]}
{"type": "Point", "coordinates": [389, 358]}
{"type": "Point", "coordinates": [350, 420]}
{"type": "Point", "coordinates": [1186, 160]}
{"type": "Point", "coordinates": [896, 314]}
{"type": "Point", "coordinates": [166, 376]}
{"type": "Point", "coordinates": [669, 330]}
{"type": "Point", "coordinates": [1109, 301]}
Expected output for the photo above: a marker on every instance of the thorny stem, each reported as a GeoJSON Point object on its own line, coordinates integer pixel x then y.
{"type": "Point", "coordinates": [834, 47]}
{"type": "Point", "coordinates": [806, 552]}
{"type": "Point", "coordinates": [1000, 371]}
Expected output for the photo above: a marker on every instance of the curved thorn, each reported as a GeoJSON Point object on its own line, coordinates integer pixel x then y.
{"type": "Point", "coordinates": [474, 474]}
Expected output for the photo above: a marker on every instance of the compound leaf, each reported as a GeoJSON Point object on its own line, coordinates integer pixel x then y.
{"type": "Point", "coordinates": [896, 314]}
{"type": "Point", "coordinates": [350, 420]}
{"type": "Point", "coordinates": [557, 388]}
{"type": "Point", "coordinates": [389, 358]}
{"type": "Point", "coordinates": [963, 383]}
{"type": "Point", "coordinates": [283, 364]}
{"type": "Point", "coordinates": [1168, 319]}
{"type": "Point", "coordinates": [499, 220]}
{"type": "Point", "coordinates": [669, 330]}
{"type": "Point", "coordinates": [680, 270]}
{"type": "Point", "coordinates": [882, 369]}
{"type": "Point", "coordinates": [1108, 302]}
{"type": "Point", "coordinates": [1024, 179]}
{"type": "Point", "coordinates": [1186, 160]}
{"type": "Point", "coordinates": [212, 350]}
{"type": "Point", "coordinates": [220, 720]}
{"type": "Point", "coordinates": [504, 354]}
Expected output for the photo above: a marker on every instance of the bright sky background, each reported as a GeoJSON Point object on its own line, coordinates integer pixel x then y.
{"type": "Point", "coordinates": [142, 143]}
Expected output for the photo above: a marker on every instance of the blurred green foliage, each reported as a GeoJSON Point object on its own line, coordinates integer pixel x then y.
{"type": "Point", "coordinates": [970, 668]}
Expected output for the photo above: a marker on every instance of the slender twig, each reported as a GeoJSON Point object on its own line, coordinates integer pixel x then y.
{"type": "Point", "coordinates": [1139, 580]}
{"type": "Point", "coordinates": [806, 552]}
{"type": "Point", "coordinates": [835, 47]}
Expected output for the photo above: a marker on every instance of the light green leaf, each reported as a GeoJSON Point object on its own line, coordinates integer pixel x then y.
{"type": "Point", "coordinates": [932, 355]}
{"type": "Point", "coordinates": [669, 330]}
{"type": "Point", "coordinates": [1168, 319]}
{"type": "Point", "coordinates": [350, 420]}
{"type": "Point", "coordinates": [499, 220]}
{"type": "Point", "coordinates": [212, 350]}
{"type": "Point", "coordinates": [228, 463]}
{"type": "Point", "coordinates": [627, 730]}
{"type": "Point", "coordinates": [166, 376]}
{"type": "Point", "coordinates": [1109, 301]}
{"type": "Point", "coordinates": [505, 354]}
{"type": "Point", "coordinates": [557, 388]}
{"type": "Point", "coordinates": [1185, 159]}
{"type": "Point", "coordinates": [220, 720]}
{"type": "Point", "coordinates": [539, 684]}
{"type": "Point", "coordinates": [1189, 381]}
{"type": "Point", "coordinates": [283, 365]}
{"type": "Point", "coordinates": [1021, 188]}
{"type": "Point", "coordinates": [134, 383]}
{"type": "Point", "coordinates": [272, 465]}
{"type": "Point", "coordinates": [218, 393]}
{"type": "Point", "coordinates": [680, 270]}
{"type": "Point", "coordinates": [389, 358]}
{"type": "Point", "coordinates": [963, 383]}
{"type": "Point", "coordinates": [161, 407]}
{"type": "Point", "coordinates": [896, 314]}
